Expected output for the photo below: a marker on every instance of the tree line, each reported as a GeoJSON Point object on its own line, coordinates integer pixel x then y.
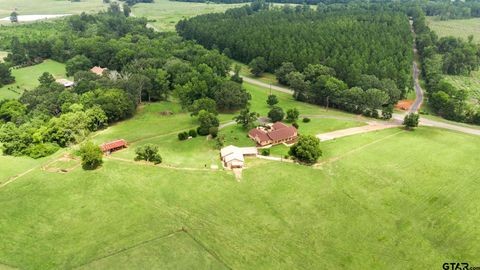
{"type": "Point", "coordinates": [142, 66]}
{"type": "Point", "coordinates": [356, 60]}
{"type": "Point", "coordinates": [447, 55]}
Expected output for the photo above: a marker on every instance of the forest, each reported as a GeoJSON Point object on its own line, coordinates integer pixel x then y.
{"type": "Point", "coordinates": [371, 50]}
{"type": "Point", "coordinates": [142, 66]}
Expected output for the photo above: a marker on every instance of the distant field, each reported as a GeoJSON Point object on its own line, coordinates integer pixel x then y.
{"type": "Point", "coordinates": [27, 78]}
{"type": "Point", "coordinates": [469, 83]}
{"type": "Point", "coordinates": [167, 13]}
{"type": "Point", "coordinates": [456, 28]}
{"type": "Point", "coordinates": [33, 7]}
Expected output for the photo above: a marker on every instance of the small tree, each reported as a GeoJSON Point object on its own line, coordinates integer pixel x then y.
{"type": "Point", "coordinates": [306, 150]}
{"type": "Point", "coordinates": [236, 74]}
{"type": "Point", "coordinates": [207, 120]}
{"type": "Point", "coordinates": [276, 114]}
{"type": "Point", "coordinates": [126, 10]}
{"type": "Point", "coordinates": [91, 156]}
{"type": "Point", "coordinates": [46, 79]}
{"type": "Point", "coordinates": [192, 133]}
{"type": "Point", "coordinates": [292, 115]}
{"type": "Point", "coordinates": [246, 118]}
{"type": "Point", "coordinates": [411, 120]}
{"type": "Point", "coordinates": [387, 112]}
{"type": "Point", "coordinates": [272, 100]}
{"type": "Point", "coordinates": [258, 66]}
{"type": "Point", "coordinates": [182, 136]}
{"type": "Point", "coordinates": [220, 141]}
{"type": "Point", "coordinates": [148, 152]}
{"type": "Point", "coordinates": [14, 17]}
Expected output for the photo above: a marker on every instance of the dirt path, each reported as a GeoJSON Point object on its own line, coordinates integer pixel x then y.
{"type": "Point", "coordinates": [159, 165]}
{"type": "Point", "coordinates": [372, 126]}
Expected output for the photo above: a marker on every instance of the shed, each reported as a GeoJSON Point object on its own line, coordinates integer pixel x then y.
{"type": "Point", "coordinates": [113, 146]}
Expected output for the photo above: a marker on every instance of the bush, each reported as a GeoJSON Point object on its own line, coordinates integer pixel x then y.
{"type": "Point", "coordinates": [148, 152]}
{"type": "Point", "coordinates": [265, 152]}
{"type": "Point", "coordinates": [286, 157]}
{"type": "Point", "coordinates": [306, 120]}
{"type": "Point", "coordinates": [202, 131]}
{"type": "Point", "coordinates": [295, 125]}
{"type": "Point", "coordinates": [91, 156]}
{"type": "Point", "coordinates": [192, 133]}
{"type": "Point", "coordinates": [411, 120]}
{"type": "Point", "coordinates": [42, 150]}
{"type": "Point", "coordinates": [182, 136]}
{"type": "Point", "coordinates": [213, 131]}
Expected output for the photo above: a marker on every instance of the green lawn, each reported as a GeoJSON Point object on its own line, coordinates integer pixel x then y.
{"type": "Point", "coordinates": [165, 14]}
{"type": "Point", "coordinates": [456, 28]}
{"type": "Point", "coordinates": [381, 199]}
{"type": "Point", "coordinates": [34, 7]}
{"type": "Point", "coordinates": [27, 78]}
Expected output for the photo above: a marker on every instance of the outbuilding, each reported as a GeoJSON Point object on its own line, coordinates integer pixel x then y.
{"type": "Point", "coordinates": [113, 146]}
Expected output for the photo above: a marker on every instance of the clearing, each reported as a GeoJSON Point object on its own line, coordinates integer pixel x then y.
{"type": "Point", "coordinates": [456, 28]}
{"type": "Point", "coordinates": [26, 7]}
{"type": "Point", "coordinates": [164, 14]}
{"type": "Point", "coordinates": [27, 78]}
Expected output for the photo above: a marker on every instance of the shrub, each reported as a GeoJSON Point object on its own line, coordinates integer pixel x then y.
{"type": "Point", "coordinates": [265, 152]}
{"type": "Point", "coordinates": [182, 136]}
{"type": "Point", "coordinates": [91, 156]}
{"type": "Point", "coordinates": [306, 120]}
{"type": "Point", "coordinates": [148, 152]}
{"type": "Point", "coordinates": [213, 131]}
{"type": "Point", "coordinates": [42, 150]}
{"type": "Point", "coordinates": [202, 131]}
{"type": "Point", "coordinates": [295, 125]}
{"type": "Point", "coordinates": [192, 133]}
{"type": "Point", "coordinates": [411, 120]}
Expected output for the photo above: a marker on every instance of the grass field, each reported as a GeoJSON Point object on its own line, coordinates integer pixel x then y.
{"type": "Point", "coordinates": [33, 7]}
{"type": "Point", "coordinates": [165, 14]}
{"type": "Point", "coordinates": [372, 204]}
{"type": "Point", "coordinates": [27, 78]}
{"type": "Point", "coordinates": [456, 28]}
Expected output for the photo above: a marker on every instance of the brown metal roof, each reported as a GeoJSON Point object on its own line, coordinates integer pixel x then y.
{"type": "Point", "coordinates": [279, 125]}
{"type": "Point", "coordinates": [262, 135]}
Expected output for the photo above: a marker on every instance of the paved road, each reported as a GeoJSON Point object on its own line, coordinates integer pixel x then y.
{"type": "Point", "coordinates": [397, 118]}
{"type": "Point", "coordinates": [418, 91]}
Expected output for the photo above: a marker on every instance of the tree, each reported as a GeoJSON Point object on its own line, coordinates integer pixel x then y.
{"type": "Point", "coordinates": [231, 96]}
{"type": "Point", "coordinates": [5, 75]}
{"type": "Point", "coordinates": [116, 104]}
{"type": "Point", "coordinates": [77, 63]}
{"type": "Point", "coordinates": [14, 17]}
{"type": "Point", "coordinates": [246, 118]}
{"type": "Point", "coordinates": [46, 79]}
{"type": "Point", "coordinates": [207, 120]}
{"type": "Point", "coordinates": [148, 152]}
{"type": "Point", "coordinates": [96, 118]}
{"type": "Point", "coordinates": [258, 66]}
{"type": "Point", "coordinates": [11, 110]}
{"type": "Point", "coordinates": [236, 74]}
{"type": "Point", "coordinates": [91, 156]}
{"type": "Point", "coordinates": [306, 149]}
{"type": "Point", "coordinates": [411, 120]}
{"type": "Point", "coordinates": [272, 100]}
{"type": "Point", "coordinates": [126, 10]}
{"type": "Point", "coordinates": [297, 82]}
{"type": "Point", "coordinates": [292, 115]}
{"type": "Point", "coordinates": [276, 114]}
{"type": "Point", "coordinates": [282, 72]}
{"type": "Point", "coordinates": [206, 104]}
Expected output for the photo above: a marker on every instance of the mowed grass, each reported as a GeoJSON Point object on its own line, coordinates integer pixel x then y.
{"type": "Point", "coordinates": [34, 7]}
{"type": "Point", "coordinates": [381, 199]}
{"type": "Point", "coordinates": [27, 78]}
{"type": "Point", "coordinates": [456, 28]}
{"type": "Point", "coordinates": [165, 14]}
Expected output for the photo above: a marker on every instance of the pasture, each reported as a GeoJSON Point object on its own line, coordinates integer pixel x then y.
{"type": "Point", "coordinates": [32, 7]}
{"type": "Point", "coordinates": [368, 203]}
{"type": "Point", "coordinates": [457, 28]}
{"type": "Point", "coordinates": [27, 78]}
{"type": "Point", "coordinates": [471, 84]}
{"type": "Point", "coordinates": [165, 14]}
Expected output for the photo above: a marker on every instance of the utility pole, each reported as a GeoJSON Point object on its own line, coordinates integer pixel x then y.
{"type": "Point", "coordinates": [328, 97]}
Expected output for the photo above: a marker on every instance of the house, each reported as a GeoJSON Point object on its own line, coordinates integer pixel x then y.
{"type": "Point", "coordinates": [233, 157]}
{"type": "Point", "coordinates": [98, 70]}
{"type": "Point", "coordinates": [66, 83]}
{"type": "Point", "coordinates": [113, 146]}
{"type": "Point", "coordinates": [273, 134]}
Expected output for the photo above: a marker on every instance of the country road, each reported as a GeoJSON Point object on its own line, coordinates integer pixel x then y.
{"type": "Point", "coordinates": [396, 119]}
